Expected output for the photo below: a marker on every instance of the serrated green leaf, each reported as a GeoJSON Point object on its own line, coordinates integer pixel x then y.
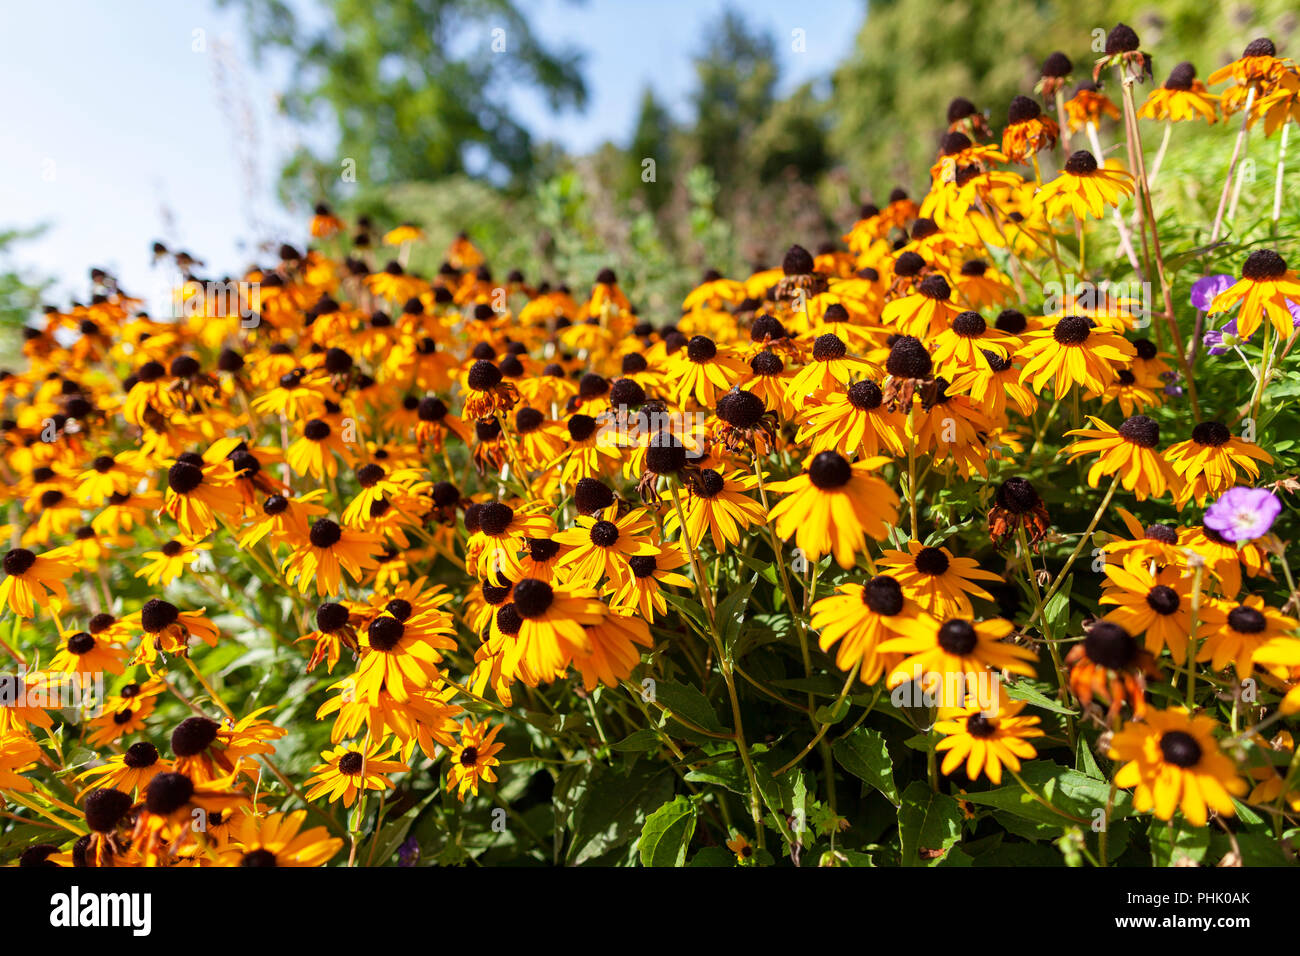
{"type": "Point", "coordinates": [667, 833]}
{"type": "Point", "coordinates": [1174, 843]}
{"type": "Point", "coordinates": [613, 807]}
{"type": "Point", "coordinates": [927, 821]}
{"type": "Point", "coordinates": [864, 754]}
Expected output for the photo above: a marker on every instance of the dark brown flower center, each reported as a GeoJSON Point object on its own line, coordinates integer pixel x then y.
{"type": "Point", "coordinates": [883, 595]}
{"type": "Point", "coordinates": [1163, 600]}
{"type": "Point", "coordinates": [958, 637]}
{"type": "Point", "coordinates": [1180, 749]}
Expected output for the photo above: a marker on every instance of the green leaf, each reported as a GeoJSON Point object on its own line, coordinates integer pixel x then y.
{"type": "Point", "coordinates": [1068, 791]}
{"type": "Point", "coordinates": [1086, 760]}
{"type": "Point", "coordinates": [667, 833]}
{"type": "Point", "coordinates": [1173, 844]}
{"type": "Point", "coordinates": [731, 614]}
{"type": "Point", "coordinates": [764, 569]}
{"type": "Point", "coordinates": [929, 822]}
{"type": "Point", "coordinates": [833, 713]}
{"type": "Point", "coordinates": [691, 703]}
{"type": "Point", "coordinates": [713, 856]}
{"type": "Point", "coordinates": [722, 773]}
{"type": "Point", "coordinates": [688, 607]}
{"type": "Point", "coordinates": [1056, 613]}
{"type": "Point", "coordinates": [638, 741]}
{"type": "Point", "coordinates": [863, 753]}
{"type": "Point", "coordinates": [613, 807]}
{"type": "Point", "coordinates": [1023, 690]}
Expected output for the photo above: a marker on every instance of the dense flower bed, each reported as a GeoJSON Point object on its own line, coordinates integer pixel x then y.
{"type": "Point", "coordinates": [952, 544]}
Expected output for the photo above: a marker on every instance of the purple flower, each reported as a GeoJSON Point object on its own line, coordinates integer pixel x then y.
{"type": "Point", "coordinates": [1214, 338]}
{"type": "Point", "coordinates": [1243, 514]}
{"type": "Point", "coordinates": [1205, 289]}
{"type": "Point", "coordinates": [409, 852]}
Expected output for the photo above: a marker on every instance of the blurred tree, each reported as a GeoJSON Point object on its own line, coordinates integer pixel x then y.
{"type": "Point", "coordinates": [913, 57]}
{"type": "Point", "coordinates": [20, 293]}
{"type": "Point", "coordinates": [415, 89]}
{"type": "Point", "coordinates": [736, 75]}
{"type": "Point", "coordinates": [652, 139]}
{"type": "Point", "coordinates": [791, 139]}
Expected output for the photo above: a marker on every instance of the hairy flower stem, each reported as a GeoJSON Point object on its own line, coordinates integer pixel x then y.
{"type": "Point", "coordinates": [724, 663]}
{"type": "Point", "coordinates": [1281, 173]}
{"type": "Point", "coordinates": [786, 589]}
{"type": "Point", "coordinates": [911, 488]}
{"type": "Point", "coordinates": [1237, 148]}
{"type": "Point", "coordinates": [1266, 353]}
{"type": "Point", "coordinates": [1039, 603]}
{"type": "Point", "coordinates": [1125, 239]}
{"type": "Point", "coordinates": [1198, 572]}
{"type": "Point", "coordinates": [1166, 290]}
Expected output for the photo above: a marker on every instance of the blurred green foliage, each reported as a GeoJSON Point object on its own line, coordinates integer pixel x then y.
{"type": "Point", "coordinates": [414, 89]}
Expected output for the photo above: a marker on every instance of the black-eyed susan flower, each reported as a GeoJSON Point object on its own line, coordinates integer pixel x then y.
{"type": "Point", "coordinates": [1172, 760]}
{"type": "Point", "coordinates": [400, 650]}
{"type": "Point", "coordinates": [1128, 452]}
{"type": "Point", "coordinates": [276, 840]}
{"type": "Point", "coordinates": [88, 654]}
{"type": "Point", "coordinates": [600, 548]}
{"type": "Point", "coordinates": [551, 629]}
{"type": "Point", "coordinates": [317, 450]}
{"type": "Point", "coordinates": [860, 617]}
{"type": "Point", "coordinates": [964, 343]}
{"type": "Point", "coordinates": [641, 590]}
{"type": "Point", "coordinates": [1180, 98]}
{"type": "Point", "coordinates": [500, 535]}
{"type": "Point", "coordinates": [925, 312]}
{"type": "Point", "coordinates": [939, 582]}
{"type": "Point", "coordinates": [329, 551]}
{"type": "Point", "coordinates": [1158, 605]}
{"type": "Point", "coordinates": [129, 771]}
{"type": "Point", "coordinates": [1265, 289]}
{"type": "Point", "coordinates": [1153, 542]}
{"type": "Point", "coordinates": [200, 493]}
{"type": "Point", "coordinates": [34, 580]}
{"type": "Point", "coordinates": [834, 506]}
{"type": "Point", "coordinates": [958, 646]}
{"type": "Point", "coordinates": [854, 421]}
{"type": "Point", "coordinates": [1211, 461]}
{"type": "Point", "coordinates": [471, 759]}
{"type": "Point", "coordinates": [702, 370]}
{"type": "Point", "coordinates": [1027, 131]}
{"type": "Point", "coordinates": [172, 806]}
{"type": "Point", "coordinates": [348, 770]}
{"type": "Point", "coordinates": [1073, 352]}
{"type": "Point", "coordinates": [171, 559]}
{"type": "Point", "coordinates": [1238, 630]}
{"type": "Point", "coordinates": [1111, 666]}
{"type": "Point", "coordinates": [986, 742]}
{"type": "Point", "coordinates": [1088, 104]}
{"type": "Point", "coordinates": [719, 504]}
{"type": "Point", "coordinates": [1084, 188]}
{"type": "Point", "coordinates": [1258, 68]}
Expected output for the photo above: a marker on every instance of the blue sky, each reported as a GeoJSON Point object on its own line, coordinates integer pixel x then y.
{"type": "Point", "coordinates": [130, 121]}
